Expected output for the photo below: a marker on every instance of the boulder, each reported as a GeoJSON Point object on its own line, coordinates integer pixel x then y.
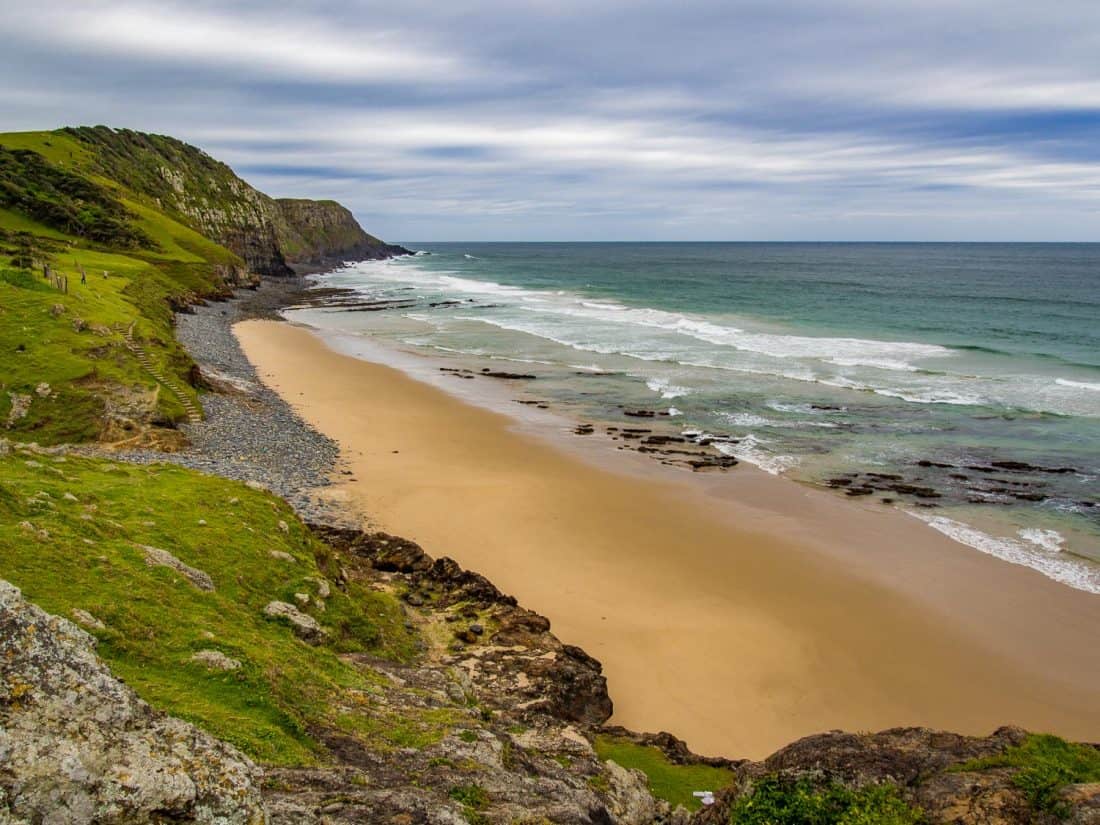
{"type": "Point", "coordinates": [215, 660]}
{"type": "Point", "coordinates": [305, 627]}
{"type": "Point", "coordinates": [86, 619]}
{"type": "Point", "coordinates": [155, 557]}
{"type": "Point", "coordinates": [79, 746]}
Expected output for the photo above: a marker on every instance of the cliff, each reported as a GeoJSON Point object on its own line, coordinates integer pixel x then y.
{"type": "Point", "coordinates": [103, 233]}
{"type": "Point", "coordinates": [317, 233]}
{"type": "Point", "coordinates": [207, 195]}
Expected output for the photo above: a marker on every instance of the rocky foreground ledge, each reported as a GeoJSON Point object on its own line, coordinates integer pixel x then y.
{"type": "Point", "coordinates": [77, 745]}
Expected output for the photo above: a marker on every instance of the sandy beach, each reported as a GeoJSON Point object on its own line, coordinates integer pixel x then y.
{"type": "Point", "coordinates": [738, 611]}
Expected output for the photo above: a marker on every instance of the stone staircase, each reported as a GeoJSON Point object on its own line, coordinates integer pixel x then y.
{"type": "Point", "coordinates": [194, 414]}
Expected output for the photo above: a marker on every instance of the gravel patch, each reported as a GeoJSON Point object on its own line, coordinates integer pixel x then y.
{"type": "Point", "coordinates": [250, 433]}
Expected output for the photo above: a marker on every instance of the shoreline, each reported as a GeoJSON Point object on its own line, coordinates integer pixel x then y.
{"type": "Point", "coordinates": [769, 625]}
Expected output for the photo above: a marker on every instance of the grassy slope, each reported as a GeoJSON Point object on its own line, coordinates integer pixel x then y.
{"type": "Point", "coordinates": [71, 529]}
{"type": "Point", "coordinates": [667, 780]}
{"type": "Point", "coordinates": [140, 287]}
{"type": "Point", "coordinates": [85, 554]}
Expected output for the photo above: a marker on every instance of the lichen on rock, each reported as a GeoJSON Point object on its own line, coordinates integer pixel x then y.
{"type": "Point", "coordinates": [78, 746]}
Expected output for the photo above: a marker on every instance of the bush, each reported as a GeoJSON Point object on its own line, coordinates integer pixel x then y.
{"type": "Point", "coordinates": [775, 800]}
{"type": "Point", "coordinates": [65, 201]}
{"type": "Point", "coordinates": [1046, 765]}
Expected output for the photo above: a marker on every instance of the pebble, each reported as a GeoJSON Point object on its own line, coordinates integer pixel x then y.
{"type": "Point", "coordinates": [256, 438]}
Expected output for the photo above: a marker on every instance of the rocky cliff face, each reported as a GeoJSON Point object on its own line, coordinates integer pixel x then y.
{"type": "Point", "coordinates": [316, 233]}
{"type": "Point", "coordinates": [207, 195]}
{"type": "Point", "coordinates": [539, 702]}
{"type": "Point", "coordinates": [77, 746]}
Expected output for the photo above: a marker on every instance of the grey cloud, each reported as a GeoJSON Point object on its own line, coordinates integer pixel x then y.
{"type": "Point", "coordinates": [581, 120]}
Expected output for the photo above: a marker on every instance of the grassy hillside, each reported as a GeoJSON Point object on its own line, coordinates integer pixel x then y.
{"type": "Point", "coordinates": [73, 532]}
{"type": "Point", "coordinates": [104, 230]}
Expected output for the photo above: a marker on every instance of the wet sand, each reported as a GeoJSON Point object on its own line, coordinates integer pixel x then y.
{"type": "Point", "coordinates": [738, 611]}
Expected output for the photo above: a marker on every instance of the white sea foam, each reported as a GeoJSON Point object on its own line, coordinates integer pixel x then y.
{"type": "Point", "coordinates": [743, 419]}
{"type": "Point", "coordinates": [673, 412]}
{"type": "Point", "coordinates": [892, 369]}
{"type": "Point", "coordinates": [878, 363]}
{"type": "Point", "coordinates": [1037, 549]}
{"type": "Point", "coordinates": [1079, 385]}
{"type": "Point", "coordinates": [750, 449]}
{"type": "Point", "coordinates": [1049, 540]}
{"type": "Point", "coordinates": [666, 389]}
{"type": "Point", "coordinates": [801, 409]}
{"type": "Point", "coordinates": [593, 368]}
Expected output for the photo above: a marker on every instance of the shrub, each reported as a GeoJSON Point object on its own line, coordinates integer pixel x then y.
{"type": "Point", "coordinates": [1046, 764]}
{"type": "Point", "coordinates": [776, 800]}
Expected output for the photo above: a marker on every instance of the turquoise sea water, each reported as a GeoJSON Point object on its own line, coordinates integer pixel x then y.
{"type": "Point", "coordinates": [969, 371]}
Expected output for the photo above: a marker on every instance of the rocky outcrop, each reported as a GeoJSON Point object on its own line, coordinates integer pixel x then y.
{"type": "Point", "coordinates": [78, 746]}
{"type": "Point", "coordinates": [930, 768]}
{"type": "Point", "coordinates": [319, 233]}
{"type": "Point", "coordinates": [207, 195]}
{"type": "Point", "coordinates": [510, 649]}
{"type": "Point", "coordinates": [305, 627]}
{"type": "Point", "coordinates": [525, 708]}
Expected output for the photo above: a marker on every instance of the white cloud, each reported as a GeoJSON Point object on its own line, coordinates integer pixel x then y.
{"type": "Point", "coordinates": [264, 43]}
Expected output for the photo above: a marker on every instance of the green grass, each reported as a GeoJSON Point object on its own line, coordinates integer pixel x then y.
{"type": "Point", "coordinates": [667, 780]}
{"type": "Point", "coordinates": [775, 800]}
{"type": "Point", "coordinates": [57, 201]}
{"type": "Point", "coordinates": [66, 201]}
{"type": "Point", "coordinates": [473, 799]}
{"type": "Point", "coordinates": [89, 558]}
{"type": "Point", "coordinates": [1044, 765]}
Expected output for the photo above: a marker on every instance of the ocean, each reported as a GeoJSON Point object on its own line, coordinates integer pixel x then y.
{"type": "Point", "coordinates": [960, 382]}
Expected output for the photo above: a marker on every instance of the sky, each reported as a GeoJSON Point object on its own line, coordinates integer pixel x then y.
{"type": "Point", "coordinates": [604, 120]}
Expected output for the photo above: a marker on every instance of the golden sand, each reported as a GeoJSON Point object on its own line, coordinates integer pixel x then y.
{"type": "Point", "coordinates": [739, 612]}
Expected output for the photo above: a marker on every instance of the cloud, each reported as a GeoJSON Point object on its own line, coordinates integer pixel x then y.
{"type": "Point", "coordinates": [567, 119]}
{"type": "Point", "coordinates": [256, 43]}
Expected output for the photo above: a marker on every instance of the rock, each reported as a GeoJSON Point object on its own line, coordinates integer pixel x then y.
{"type": "Point", "coordinates": [324, 590]}
{"type": "Point", "coordinates": [79, 746]}
{"type": "Point", "coordinates": [466, 635]}
{"type": "Point", "coordinates": [1083, 800]}
{"type": "Point", "coordinates": [383, 551]}
{"type": "Point", "coordinates": [83, 617]}
{"type": "Point", "coordinates": [215, 660]}
{"type": "Point", "coordinates": [70, 497]}
{"type": "Point", "coordinates": [254, 485]}
{"type": "Point", "coordinates": [477, 629]}
{"type": "Point", "coordinates": [305, 627]}
{"type": "Point", "coordinates": [57, 310]}
{"type": "Point", "coordinates": [629, 792]}
{"type": "Point", "coordinates": [154, 557]}
{"type": "Point", "coordinates": [923, 763]}
{"type": "Point", "coordinates": [302, 598]}
{"type": "Point", "coordinates": [282, 555]}
{"type": "Point", "coordinates": [283, 526]}
{"type": "Point", "coordinates": [20, 406]}
{"type": "Point", "coordinates": [42, 390]}
{"type": "Point", "coordinates": [1023, 467]}
{"type": "Point", "coordinates": [79, 324]}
